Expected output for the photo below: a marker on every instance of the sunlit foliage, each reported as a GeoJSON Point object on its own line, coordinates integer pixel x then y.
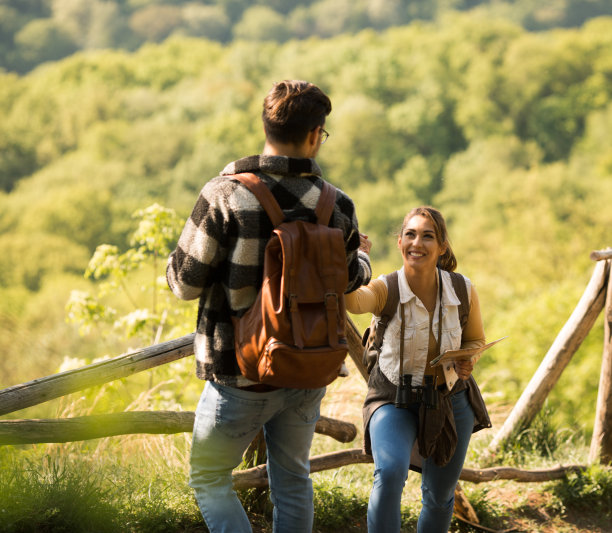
{"type": "Point", "coordinates": [504, 130]}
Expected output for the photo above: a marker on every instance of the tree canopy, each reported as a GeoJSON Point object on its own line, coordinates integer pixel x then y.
{"type": "Point", "coordinates": [505, 130]}
{"type": "Point", "coordinates": [36, 31]}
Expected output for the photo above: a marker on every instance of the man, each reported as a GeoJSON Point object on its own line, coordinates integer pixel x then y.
{"type": "Point", "coordinates": [219, 259]}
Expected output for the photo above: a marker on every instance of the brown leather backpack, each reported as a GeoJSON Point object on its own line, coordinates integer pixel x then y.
{"type": "Point", "coordinates": [294, 334]}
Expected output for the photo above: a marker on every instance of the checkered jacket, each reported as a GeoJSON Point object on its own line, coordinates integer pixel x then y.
{"type": "Point", "coordinates": [219, 257]}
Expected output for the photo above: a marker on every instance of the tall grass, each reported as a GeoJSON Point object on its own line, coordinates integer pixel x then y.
{"type": "Point", "coordinates": [138, 484]}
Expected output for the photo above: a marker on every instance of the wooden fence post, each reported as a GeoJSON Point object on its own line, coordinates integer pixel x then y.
{"type": "Point", "coordinates": [558, 356]}
{"type": "Point", "coordinates": [601, 443]}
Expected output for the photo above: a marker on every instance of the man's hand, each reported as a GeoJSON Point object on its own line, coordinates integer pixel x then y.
{"type": "Point", "coordinates": [365, 244]}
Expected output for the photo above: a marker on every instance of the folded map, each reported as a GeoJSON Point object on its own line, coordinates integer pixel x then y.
{"type": "Point", "coordinates": [465, 353]}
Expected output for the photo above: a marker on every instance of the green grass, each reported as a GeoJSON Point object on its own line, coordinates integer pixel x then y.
{"type": "Point", "coordinates": [138, 484]}
{"type": "Point", "coordinates": [50, 491]}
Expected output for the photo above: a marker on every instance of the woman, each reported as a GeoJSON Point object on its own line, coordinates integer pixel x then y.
{"type": "Point", "coordinates": [430, 305]}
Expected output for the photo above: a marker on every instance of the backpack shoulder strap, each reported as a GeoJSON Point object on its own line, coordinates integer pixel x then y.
{"type": "Point", "coordinates": [326, 203]}
{"type": "Point", "coordinates": [264, 196]}
{"type": "Point", "coordinates": [390, 307]}
{"type": "Point", "coordinates": [461, 291]}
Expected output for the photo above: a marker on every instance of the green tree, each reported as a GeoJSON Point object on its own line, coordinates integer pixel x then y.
{"type": "Point", "coordinates": [146, 305]}
{"type": "Point", "coordinates": [28, 260]}
{"type": "Point", "coordinates": [353, 155]}
{"type": "Point", "coordinates": [333, 17]}
{"type": "Point", "coordinates": [210, 22]}
{"type": "Point", "coordinates": [155, 22]}
{"type": "Point", "coordinates": [260, 23]}
{"type": "Point", "coordinates": [17, 158]}
{"type": "Point", "coordinates": [42, 40]}
{"type": "Point", "coordinates": [81, 213]}
{"type": "Point", "coordinates": [90, 23]}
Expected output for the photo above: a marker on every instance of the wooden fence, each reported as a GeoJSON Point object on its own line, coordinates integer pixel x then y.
{"type": "Point", "coordinates": [597, 296]}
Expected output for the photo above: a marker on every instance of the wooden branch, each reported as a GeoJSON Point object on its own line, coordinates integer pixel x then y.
{"type": "Point", "coordinates": [108, 425]}
{"type": "Point", "coordinates": [258, 477]}
{"type": "Point", "coordinates": [563, 348]}
{"type": "Point", "coordinates": [516, 474]}
{"type": "Point", "coordinates": [336, 429]}
{"type": "Point", "coordinates": [57, 385]}
{"type": "Point", "coordinates": [94, 426]}
{"type": "Point", "coordinates": [601, 442]}
{"type": "Point", "coordinates": [462, 508]}
{"type": "Point", "coordinates": [355, 347]}
{"type": "Point", "coordinates": [601, 255]}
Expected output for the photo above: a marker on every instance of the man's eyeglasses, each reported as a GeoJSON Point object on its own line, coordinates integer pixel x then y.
{"type": "Point", "coordinates": [324, 136]}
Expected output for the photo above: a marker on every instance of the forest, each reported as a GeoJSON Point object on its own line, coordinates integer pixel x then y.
{"type": "Point", "coordinates": [498, 113]}
{"type": "Point", "coordinates": [36, 31]}
{"type": "Point", "coordinates": [505, 130]}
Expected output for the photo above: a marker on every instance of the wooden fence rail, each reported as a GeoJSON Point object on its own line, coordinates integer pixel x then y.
{"type": "Point", "coordinates": [57, 385]}
{"type": "Point", "coordinates": [77, 428]}
{"type": "Point", "coordinates": [258, 477]}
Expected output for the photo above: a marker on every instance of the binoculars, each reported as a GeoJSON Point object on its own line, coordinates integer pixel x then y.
{"type": "Point", "coordinates": [407, 394]}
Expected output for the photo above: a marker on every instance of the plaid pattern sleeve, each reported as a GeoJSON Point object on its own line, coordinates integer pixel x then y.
{"type": "Point", "coordinates": [219, 256]}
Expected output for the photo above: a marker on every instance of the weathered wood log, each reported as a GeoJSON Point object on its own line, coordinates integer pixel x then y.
{"type": "Point", "coordinates": [558, 356]}
{"type": "Point", "coordinates": [94, 426]}
{"type": "Point", "coordinates": [108, 425]}
{"type": "Point", "coordinates": [600, 255]}
{"type": "Point", "coordinates": [353, 338]}
{"type": "Point", "coordinates": [50, 387]}
{"type": "Point", "coordinates": [463, 508]}
{"type": "Point", "coordinates": [337, 429]}
{"type": "Point", "coordinates": [601, 443]}
{"type": "Point", "coordinates": [258, 477]}
{"type": "Point", "coordinates": [516, 474]}
{"type": "Point", "coordinates": [56, 385]}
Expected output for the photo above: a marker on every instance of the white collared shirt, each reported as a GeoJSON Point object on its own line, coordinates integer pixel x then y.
{"type": "Point", "coordinates": [416, 332]}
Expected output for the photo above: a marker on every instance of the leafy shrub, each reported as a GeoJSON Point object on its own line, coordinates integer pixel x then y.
{"type": "Point", "coordinates": [588, 490]}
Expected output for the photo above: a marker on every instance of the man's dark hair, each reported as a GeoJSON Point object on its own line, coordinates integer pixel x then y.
{"type": "Point", "coordinates": [293, 108]}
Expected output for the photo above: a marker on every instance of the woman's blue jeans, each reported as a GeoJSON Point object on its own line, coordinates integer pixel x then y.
{"type": "Point", "coordinates": [227, 420]}
{"type": "Point", "coordinates": [393, 432]}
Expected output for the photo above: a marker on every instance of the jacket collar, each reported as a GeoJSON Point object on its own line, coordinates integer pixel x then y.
{"type": "Point", "coordinates": [274, 164]}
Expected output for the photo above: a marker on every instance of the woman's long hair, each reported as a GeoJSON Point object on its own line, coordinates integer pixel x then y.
{"type": "Point", "coordinates": [447, 261]}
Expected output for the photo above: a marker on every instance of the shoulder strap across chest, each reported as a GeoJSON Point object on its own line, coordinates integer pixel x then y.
{"type": "Point", "coordinates": [461, 291]}
{"type": "Point", "coordinates": [323, 209]}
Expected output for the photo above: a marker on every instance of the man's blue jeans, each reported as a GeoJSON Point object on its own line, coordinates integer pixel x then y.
{"type": "Point", "coordinates": [227, 420]}
{"type": "Point", "coordinates": [393, 432]}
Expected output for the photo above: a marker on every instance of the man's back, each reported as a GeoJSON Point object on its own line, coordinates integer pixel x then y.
{"type": "Point", "coordinates": [226, 271]}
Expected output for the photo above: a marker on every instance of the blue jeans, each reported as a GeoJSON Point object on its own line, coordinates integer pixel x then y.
{"type": "Point", "coordinates": [393, 432]}
{"type": "Point", "coordinates": [227, 420]}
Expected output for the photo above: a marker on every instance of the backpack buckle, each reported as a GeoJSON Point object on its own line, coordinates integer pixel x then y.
{"type": "Point", "coordinates": [334, 296]}
{"type": "Point", "coordinates": [293, 303]}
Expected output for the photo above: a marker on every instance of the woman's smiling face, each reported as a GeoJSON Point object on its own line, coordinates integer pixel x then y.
{"type": "Point", "coordinates": [419, 244]}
